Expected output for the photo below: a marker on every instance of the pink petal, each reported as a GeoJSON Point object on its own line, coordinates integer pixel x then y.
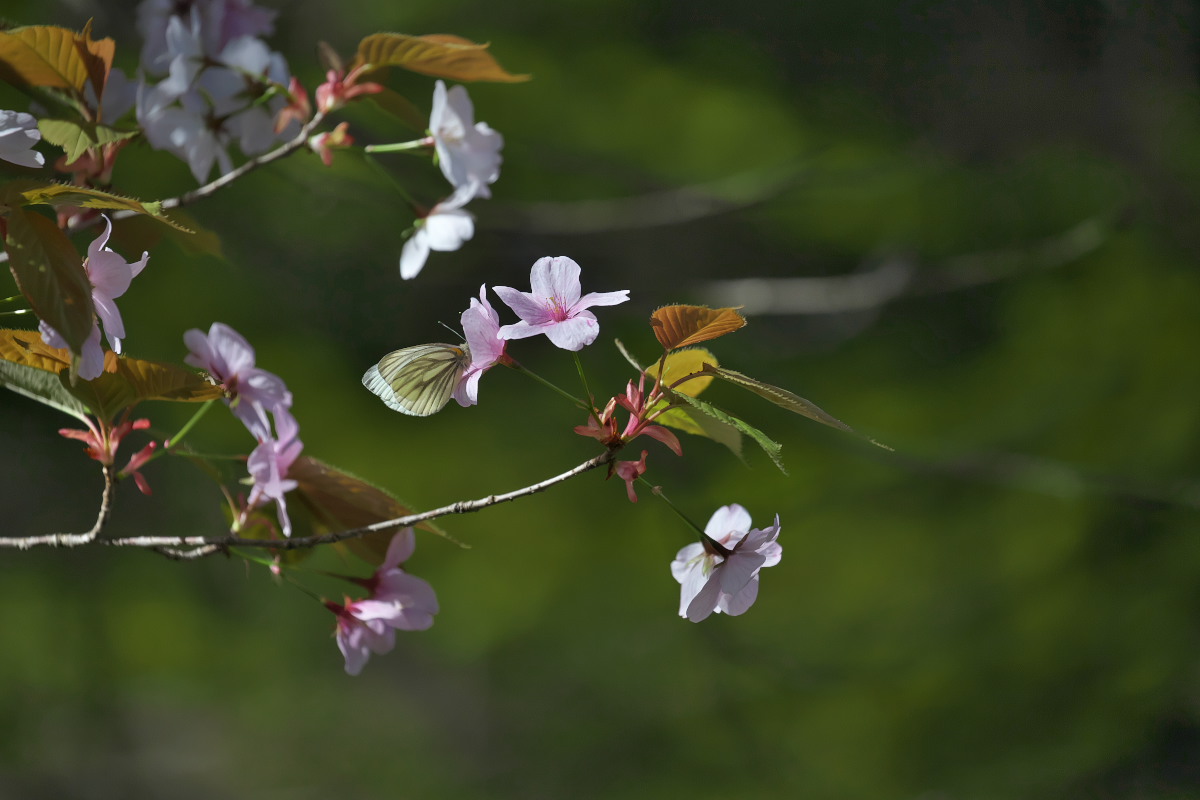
{"type": "Point", "coordinates": [399, 550]}
{"type": "Point", "coordinates": [556, 277]}
{"type": "Point", "coordinates": [727, 519]}
{"type": "Point", "coordinates": [740, 602]}
{"type": "Point", "coordinates": [602, 299]}
{"type": "Point", "coordinates": [532, 310]}
{"type": "Point", "coordinates": [576, 333]}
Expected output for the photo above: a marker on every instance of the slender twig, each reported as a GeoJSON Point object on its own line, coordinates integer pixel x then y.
{"type": "Point", "coordinates": [175, 546]}
{"type": "Point", "coordinates": [72, 539]}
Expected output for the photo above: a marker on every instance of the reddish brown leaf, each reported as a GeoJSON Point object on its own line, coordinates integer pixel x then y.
{"type": "Point", "coordinates": [50, 273]}
{"type": "Point", "coordinates": [439, 55]}
{"type": "Point", "coordinates": [680, 326]}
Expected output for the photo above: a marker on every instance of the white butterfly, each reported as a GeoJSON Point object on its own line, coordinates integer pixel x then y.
{"type": "Point", "coordinates": [418, 380]}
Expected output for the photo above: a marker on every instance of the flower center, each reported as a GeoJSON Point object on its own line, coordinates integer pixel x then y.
{"type": "Point", "coordinates": [556, 309]}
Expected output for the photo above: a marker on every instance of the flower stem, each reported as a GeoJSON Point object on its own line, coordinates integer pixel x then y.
{"type": "Point", "coordinates": [583, 379]}
{"type": "Point", "coordinates": [170, 444]}
{"type": "Point", "coordinates": [396, 148]}
{"type": "Point", "coordinates": [526, 371]}
{"type": "Point", "coordinates": [658, 491]}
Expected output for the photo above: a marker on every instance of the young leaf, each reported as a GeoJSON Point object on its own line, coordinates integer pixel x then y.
{"type": "Point", "coordinates": [438, 55]}
{"type": "Point", "coordinates": [682, 363]}
{"type": "Point", "coordinates": [50, 273]}
{"type": "Point", "coordinates": [38, 384]}
{"type": "Point", "coordinates": [691, 421]}
{"type": "Point", "coordinates": [785, 399]}
{"type": "Point", "coordinates": [126, 381]}
{"type": "Point", "coordinates": [75, 136]}
{"type": "Point", "coordinates": [28, 349]}
{"type": "Point", "coordinates": [679, 326]}
{"type": "Point", "coordinates": [58, 194]}
{"type": "Point", "coordinates": [43, 55]}
{"type": "Point", "coordinates": [97, 57]}
{"type": "Point", "coordinates": [770, 447]}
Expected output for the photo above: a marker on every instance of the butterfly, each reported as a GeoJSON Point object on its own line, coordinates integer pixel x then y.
{"type": "Point", "coordinates": [418, 380]}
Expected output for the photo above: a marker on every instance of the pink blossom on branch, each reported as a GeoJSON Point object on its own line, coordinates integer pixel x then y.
{"type": "Point", "coordinates": [110, 276]}
{"type": "Point", "coordinates": [229, 359]}
{"type": "Point", "coordinates": [555, 307]}
{"type": "Point", "coordinates": [721, 573]}
{"type": "Point", "coordinates": [268, 466]}
{"type": "Point", "coordinates": [630, 471]}
{"type": "Point", "coordinates": [397, 601]}
{"type": "Point", "coordinates": [480, 325]}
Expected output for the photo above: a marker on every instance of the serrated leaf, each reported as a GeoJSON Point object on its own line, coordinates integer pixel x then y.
{"type": "Point", "coordinates": [126, 381]}
{"type": "Point", "coordinates": [50, 274]}
{"type": "Point", "coordinates": [75, 136]}
{"type": "Point", "coordinates": [43, 55]}
{"type": "Point", "coordinates": [59, 194]}
{"type": "Point", "coordinates": [401, 108]}
{"type": "Point", "coordinates": [438, 55]}
{"type": "Point", "coordinates": [340, 501]}
{"type": "Point", "coordinates": [785, 399]}
{"type": "Point", "coordinates": [770, 447]}
{"type": "Point", "coordinates": [28, 349]}
{"type": "Point", "coordinates": [680, 326]}
{"type": "Point", "coordinates": [690, 421]}
{"type": "Point", "coordinates": [20, 375]}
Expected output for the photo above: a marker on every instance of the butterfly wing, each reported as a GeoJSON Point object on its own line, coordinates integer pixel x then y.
{"type": "Point", "coordinates": [418, 380]}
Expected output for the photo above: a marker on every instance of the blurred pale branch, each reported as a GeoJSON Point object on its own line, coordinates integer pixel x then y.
{"type": "Point", "coordinates": [898, 276]}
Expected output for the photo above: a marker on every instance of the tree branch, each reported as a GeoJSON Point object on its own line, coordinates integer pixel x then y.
{"type": "Point", "coordinates": [71, 539]}
{"type": "Point", "coordinates": [177, 546]}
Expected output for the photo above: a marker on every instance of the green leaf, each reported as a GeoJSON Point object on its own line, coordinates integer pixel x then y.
{"type": "Point", "coordinates": [38, 384]}
{"type": "Point", "coordinates": [691, 421]}
{"type": "Point", "coordinates": [439, 55]}
{"type": "Point", "coordinates": [785, 399]}
{"type": "Point", "coordinates": [59, 194]}
{"type": "Point", "coordinates": [75, 137]}
{"type": "Point", "coordinates": [126, 381]}
{"type": "Point", "coordinates": [50, 274]}
{"type": "Point", "coordinates": [770, 447]}
{"type": "Point", "coordinates": [401, 108]}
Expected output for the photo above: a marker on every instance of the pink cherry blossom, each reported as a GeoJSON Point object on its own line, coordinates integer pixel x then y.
{"type": "Point", "coordinates": [468, 151]}
{"type": "Point", "coordinates": [721, 574]}
{"type": "Point", "coordinates": [268, 466]}
{"type": "Point", "coordinates": [229, 359]}
{"type": "Point", "coordinates": [110, 276]}
{"type": "Point", "coordinates": [444, 228]}
{"type": "Point", "coordinates": [397, 601]}
{"type": "Point", "coordinates": [555, 306]}
{"type": "Point", "coordinates": [480, 325]}
{"type": "Point", "coordinates": [18, 134]}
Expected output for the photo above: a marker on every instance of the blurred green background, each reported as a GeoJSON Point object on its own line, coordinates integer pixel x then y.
{"type": "Point", "coordinates": [982, 220]}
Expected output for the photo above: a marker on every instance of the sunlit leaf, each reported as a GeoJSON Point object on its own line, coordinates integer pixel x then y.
{"type": "Point", "coordinates": [438, 55]}
{"type": "Point", "coordinates": [50, 274]}
{"type": "Point", "coordinates": [770, 447]}
{"type": "Point", "coordinates": [679, 326]}
{"type": "Point", "coordinates": [156, 380]}
{"type": "Point", "coordinates": [680, 364]}
{"type": "Point", "coordinates": [785, 399]}
{"type": "Point", "coordinates": [340, 501]}
{"type": "Point", "coordinates": [76, 136]}
{"type": "Point", "coordinates": [58, 194]}
{"type": "Point", "coordinates": [97, 57]}
{"type": "Point", "coordinates": [29, 367]}
{"type": "Point", "coordinates": [45, 55]}
{"type": "Point", "coordinates": [696, 423]}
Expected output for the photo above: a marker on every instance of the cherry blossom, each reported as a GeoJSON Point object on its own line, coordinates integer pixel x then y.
{"type": "Point", "coordinates": [630, 471]}
{"type": "Point", "coordinates": [110, 276]}
{"type": "Point", "coordinates": [229, 359]}
{"type": "Point", "coordinates": [397, 601]}
{"type": "Point", "coordinates": [721, 573]}
{"type": "Point", "coordinates": [18, 134]}
{"type": "Point", "coordinates": [555, 306]}
{"type": "Point", "coordinates": [480, 325]}
{"type": "Point", "coordinates": [468, 152]}
{"type": "Point", "coordinates": [268, 466]}
{"type": "Point", "coordinates": [444, 228]}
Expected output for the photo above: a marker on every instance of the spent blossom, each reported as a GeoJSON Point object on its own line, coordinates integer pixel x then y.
{"type": "Point", "coordinates": [109, 275]}
{"type": "Point", "coordinates": [103, 439]}
{"type": "Point", "coordinates": [444, 228]}
{"type": "Point", "coordinates": [251, 392]}
{"type": "Point", "coordinates": [468, 152]}
{"type": "Point", "coordinates": [18, 134]}
{"type": "Point", "coordinates": [396, 601]}
{"type": "Point", "coordinates": [721, 573]}
{"type": "Point", "coordinates": [555, 306]}
{"type": "Point", "coordinates": [337, 90]}
{"type": "Point", "coordinates": [480, 324]}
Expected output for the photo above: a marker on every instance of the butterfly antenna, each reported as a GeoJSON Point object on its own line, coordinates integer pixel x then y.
{"type": "Point", "coordinates": [455, 331]}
